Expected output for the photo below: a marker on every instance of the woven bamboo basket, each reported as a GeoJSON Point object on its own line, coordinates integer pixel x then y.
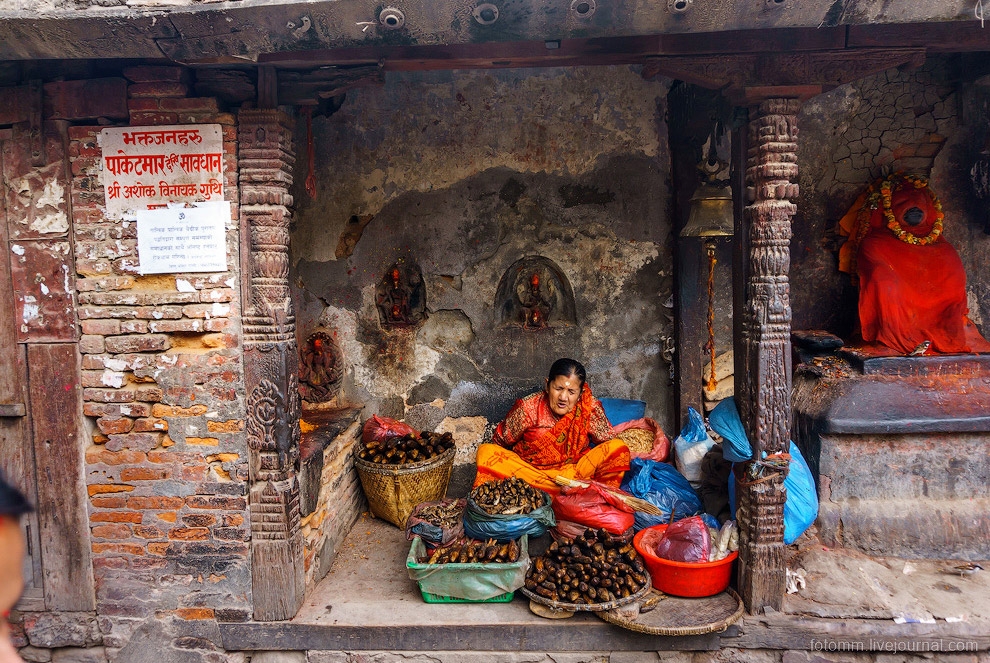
{"type": "Point", "coordinates": [393, 490]}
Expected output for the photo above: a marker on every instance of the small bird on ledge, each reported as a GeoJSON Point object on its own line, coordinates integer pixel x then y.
{"type": "Point", "coordinates": [964, 569]}
{"type": "Point", "coordinates": [921, 349]}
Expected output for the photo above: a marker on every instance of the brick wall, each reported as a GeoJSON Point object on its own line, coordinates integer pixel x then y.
{"type": "Point", "coordinates": [163, 391]}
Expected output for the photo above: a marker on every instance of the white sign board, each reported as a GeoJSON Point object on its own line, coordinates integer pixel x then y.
{"type": "Point", "coordinates": [183, 239]}
{"type": "Point", "coordinates": [148, 167]}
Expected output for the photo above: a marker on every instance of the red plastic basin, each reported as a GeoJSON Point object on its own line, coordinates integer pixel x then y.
{"type": "Point", "coordinates": [690, 579]}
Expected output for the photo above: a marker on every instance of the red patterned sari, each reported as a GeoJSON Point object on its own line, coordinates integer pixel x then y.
{"type": "Point", "coordinates": [532, 443]}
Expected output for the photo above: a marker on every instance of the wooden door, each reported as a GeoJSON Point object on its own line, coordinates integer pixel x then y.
{"type": "Point", "coordinates": [16, 442]}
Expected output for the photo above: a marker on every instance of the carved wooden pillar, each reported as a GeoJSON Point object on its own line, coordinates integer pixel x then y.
{"type": "Point", "coordinates": [763, 387]}
{"type": "Point", "coordinates": [270, 363]}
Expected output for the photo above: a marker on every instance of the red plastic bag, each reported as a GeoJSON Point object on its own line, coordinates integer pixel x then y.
{"type": "Point", "coordinates": [379, 429]}
{"type": "Point", "coordinates": [686, 540]}
{"type": "Point", "coordinates": [593, 507]}
{"type": "Point", "coordinates": [661, 445]}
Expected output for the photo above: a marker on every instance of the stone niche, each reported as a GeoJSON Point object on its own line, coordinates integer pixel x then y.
{"type": "Point", "coordinates": [534, 294]}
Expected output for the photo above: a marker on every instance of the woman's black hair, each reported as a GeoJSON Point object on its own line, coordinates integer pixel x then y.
{"type": "Point", "coordinates": [12, 502]}
{"type": "Point", "coordinates": [567, 368]}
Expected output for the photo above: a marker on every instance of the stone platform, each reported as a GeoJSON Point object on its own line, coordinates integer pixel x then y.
{"type": "Point", "coordinates": [368, 609]}
{"type": "Point", "coordinates": [899, 449]}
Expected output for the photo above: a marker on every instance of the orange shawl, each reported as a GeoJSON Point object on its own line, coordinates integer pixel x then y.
{"type": "Point", "coordinates": [538, 437]}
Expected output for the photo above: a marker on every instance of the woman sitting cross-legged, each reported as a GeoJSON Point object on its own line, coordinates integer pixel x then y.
{"type": "Point", "coordinates": [560, 431]}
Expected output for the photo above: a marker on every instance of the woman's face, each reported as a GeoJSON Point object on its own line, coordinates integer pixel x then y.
{"type": "Point", "coordinates": [564, 392]}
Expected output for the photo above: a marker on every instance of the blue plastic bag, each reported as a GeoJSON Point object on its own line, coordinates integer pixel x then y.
{"type": "Point", "coordinates": [801, 506]}
{"type": "Point", "coordinates": [478, 524]}
{"type": "Point", "coordinates": [663, 486]}
{"type": "Point", "coordinates": [725, 421]}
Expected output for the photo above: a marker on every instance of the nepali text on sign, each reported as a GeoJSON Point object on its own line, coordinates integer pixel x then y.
{"type": "Point", "coordinates": [183, 239]}
{"type": "Point", "coordinates": [149, 167]}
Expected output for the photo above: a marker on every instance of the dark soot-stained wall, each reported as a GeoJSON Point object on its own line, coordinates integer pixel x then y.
{"type": "Point", "coordinates": [464, 173]}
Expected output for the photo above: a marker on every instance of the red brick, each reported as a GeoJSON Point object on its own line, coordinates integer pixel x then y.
{"type": "Point", "coordinates": [157, 88]}
{"type": "Point", "coordinates": [126, 548]}
{"type": "Point", "coordinates": [142, 343]}
{"type": "Point", "coordinates": [116, 409]}
{"type": "Point", "coordinates": [149, 104]}
{"type": "Point", "coordinates": [94, 312]}
{"type": "Point", "coordinates": [189, 533]}
{"type": "Point", "coordinates": [99, 455]}
{"type": "Point", "coordinates": [80, 132]}
{"type": "Point", "coordinates": [148, 563]}
{"type": "Point", "coordinates": [90, 344]}
{"type": "Point", "coordinates": [101, 327]}
{"type": "Point", "coordinates": [216, 502]}
{"type": "Point", "coordinates": [108, 502]}
{"type": "Point", "coordinates": [143, 474]}
{"type": "Point", "coordinates": [86, 98]}
{"type": "Point", "coordinates": [190, 614]}
{"type": "Point", "coordinates": [108, 395]}
{"type": "Point", "coordinates": [194, 472]}
{"type": "Point", "coordinates": [159, 410]}
{"type": "Point", "coordinates": [133, 327]}
{"type": "Point", "coordinates": [157, 312]}
{"type": "Point", "coordinates": [148, 395]}
{"type": "Point", "coordinates": [233, 519]}
{"type": "Point", "coordinates": [157, 548]}
{"type": "Point", "coordinates": [110, 562]}
{"type": "Point", "coordinates": [152, 118]}
{"type": "Point", "coordinates": [154, 73]}
{"type": "Point", "coordinates": [199, 520]}
{"type": "Point", "coordinates": [221, 295]}
{"type": "Point", "coordinates": [114, 426]}
{"type": "Point", "coordinates": [150, 424]}
{"type": "Point", "coordinates": [101, 488]}
{"type": "Point", "coordinates": [204, 104]}
{"type": "Point", "coordinates": [230, 426]}
{"type": "Point", "coordinates": [154, 502]}
{"type": "Point", "coordinates": [172, 326]}
{"type": "Point", "coordinates": [231, 534]}
{"type": "Point", "coordinates": [98, 267]}
{"type": "Point", "coordinates": [114, 531]}
{"type": "Point", "coordinates": [116, 517]}
{"type": "Point", "coordinates": [148, 532]}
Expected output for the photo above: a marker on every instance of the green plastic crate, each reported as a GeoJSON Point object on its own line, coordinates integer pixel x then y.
{"type": "Point", "coordinates": [434, 598]}
{"type": "Point", "coordinates": [474, 582]}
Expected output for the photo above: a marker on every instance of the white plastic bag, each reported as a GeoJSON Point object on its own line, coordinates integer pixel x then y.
{"type": "Point", "coordinates": [691, 446]}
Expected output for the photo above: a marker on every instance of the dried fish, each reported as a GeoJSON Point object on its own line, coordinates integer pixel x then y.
{"type": "Point", "coordinates": [410, 448]}
{"type": "Point", "coordinates": [588, 569]}
{"type": "Point", "coordinates": [509, 496]}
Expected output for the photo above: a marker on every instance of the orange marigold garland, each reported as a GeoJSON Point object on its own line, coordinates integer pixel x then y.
{"type": "Point", "coordinates": [879, 195]}
{"type": "Point", "coordinates": [887, 189]}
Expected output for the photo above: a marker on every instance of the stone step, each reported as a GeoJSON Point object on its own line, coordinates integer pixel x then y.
{"type": "Point", "coordinates": [908, 528]}
{"type": "Point", "coordinates": [913, 466]}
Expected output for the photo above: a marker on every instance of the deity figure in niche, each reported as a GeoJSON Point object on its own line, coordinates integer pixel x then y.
{"type": "Point", "coordinates": [912, 285]}
{"type": "Point", "coordinates": [320, 369]}
{"type": "Point", "coordinates": [536, 306]}
{"type": "Point", "coordinates": [400, 296]}
{"type": "Point", "coordinates": [534, 294]}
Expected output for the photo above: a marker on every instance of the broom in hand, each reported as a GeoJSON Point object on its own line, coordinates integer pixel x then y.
{"type": "Point", "coordinates": [634, 503]}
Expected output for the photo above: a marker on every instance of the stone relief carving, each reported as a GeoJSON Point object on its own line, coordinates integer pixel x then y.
{"type": "Point", "coordinates": [320, 367]}
{"type": "Point", "coordinates": [401, 296]}
{"type": "Point", "coordinates": [534, 294]}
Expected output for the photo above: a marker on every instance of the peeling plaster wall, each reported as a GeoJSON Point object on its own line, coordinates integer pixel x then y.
{"type": "Point", "coordinates": [465, 173]}
{"type": "Point", "coordinates": [920, 121]}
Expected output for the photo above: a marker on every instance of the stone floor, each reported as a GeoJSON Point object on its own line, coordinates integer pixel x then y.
{"type": "Point", "coordinates": [844, 601]}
